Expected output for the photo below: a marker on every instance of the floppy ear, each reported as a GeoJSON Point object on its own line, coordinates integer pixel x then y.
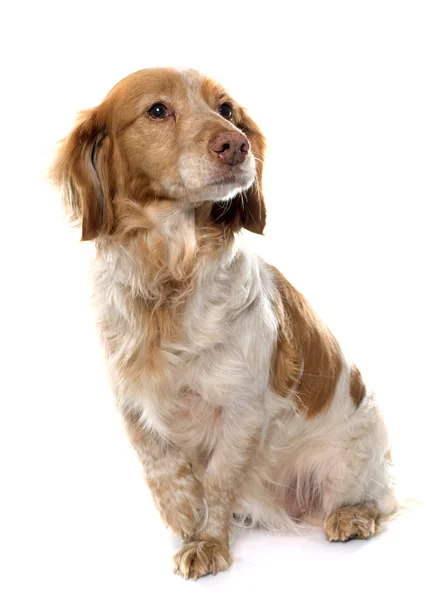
{"type": "Point", "coordinates": [82, 171]}
{"type": "Point", "coordinates": [247, 209]}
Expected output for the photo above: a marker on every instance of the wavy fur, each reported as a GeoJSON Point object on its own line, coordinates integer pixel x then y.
{"type": "Point", "coordinates": [238, 400]}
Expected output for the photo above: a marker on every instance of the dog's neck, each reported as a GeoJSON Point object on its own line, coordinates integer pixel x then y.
{"type": "Point", "coordinates": [159, 252]}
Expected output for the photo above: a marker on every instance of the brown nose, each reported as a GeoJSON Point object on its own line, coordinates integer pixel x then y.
{"type": "Point", "coordinates": [231, 147]}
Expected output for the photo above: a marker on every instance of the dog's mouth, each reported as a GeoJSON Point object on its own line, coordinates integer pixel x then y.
{"type": "Point", "coordinates": [237, 176]}
{"type": "Point", "coordinates": [227, 178]}
{"type": "Point", "coordinates": [206, 181]}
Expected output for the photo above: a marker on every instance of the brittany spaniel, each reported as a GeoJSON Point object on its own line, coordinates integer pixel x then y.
{"type": "Point", "coordinates": [237, 398]}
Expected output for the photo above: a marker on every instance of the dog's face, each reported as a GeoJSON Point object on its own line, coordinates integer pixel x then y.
{"type": "Point", "coordinates": [164, 135]}
{"type": "Point", "coordinates": [181, 130]}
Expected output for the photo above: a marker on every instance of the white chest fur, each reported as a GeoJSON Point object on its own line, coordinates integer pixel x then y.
{"type": "Point", "coordinates": [219, 360]}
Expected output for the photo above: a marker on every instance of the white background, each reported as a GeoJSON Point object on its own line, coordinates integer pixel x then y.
{"type": "Point", "coordinates": [339, 90]}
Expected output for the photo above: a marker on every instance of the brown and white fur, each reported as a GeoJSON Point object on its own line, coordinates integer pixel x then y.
{"type": "Point", "coordinates": [237, 398]}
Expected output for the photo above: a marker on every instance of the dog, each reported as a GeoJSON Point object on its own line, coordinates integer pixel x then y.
{"type": "Point", "coordinates": [238, 400]}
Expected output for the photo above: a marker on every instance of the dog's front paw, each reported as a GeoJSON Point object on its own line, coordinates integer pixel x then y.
{"type": "Point", "coordinates": [195, 559]}
{"type": "Point", "coordinates": [350, 522]}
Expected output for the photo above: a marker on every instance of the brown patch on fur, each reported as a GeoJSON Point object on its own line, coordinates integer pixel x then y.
{"type": "Point", "coordinates": [357, 387]}
{"type": "Point", "coordinates": [360, 521]}
{"type": "Point", "coordinates": [198, 558]}
{"type": "Point", "coordinates": [307, 358]}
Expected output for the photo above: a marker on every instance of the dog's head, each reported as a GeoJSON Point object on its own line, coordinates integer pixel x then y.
{"type": "Point", "coordinates": [163, 135]}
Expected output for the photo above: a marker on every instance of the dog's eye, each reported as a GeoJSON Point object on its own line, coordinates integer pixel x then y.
{"type": "Point", "coordinates": [158, 111]}
{"type": "Point", "coordinates": [226, 110]}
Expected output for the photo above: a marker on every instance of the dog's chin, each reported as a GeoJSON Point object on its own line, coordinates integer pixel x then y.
{"type": "Point", "coordinates": [211, 181]}
{"type": "Point", "coordinates": [223, 188]}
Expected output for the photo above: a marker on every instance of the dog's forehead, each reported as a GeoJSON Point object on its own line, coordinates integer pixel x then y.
{"type": "Point", "coordinates": [187, 86]}
{"type": "Point", "coordinates": [199, 86]}
{"type": "Point", "coordinates": [191, 79]}
{"type": "Point", "coordinates": [184, 90]}
{"type": "Point", "coordinates": [180, 84]}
